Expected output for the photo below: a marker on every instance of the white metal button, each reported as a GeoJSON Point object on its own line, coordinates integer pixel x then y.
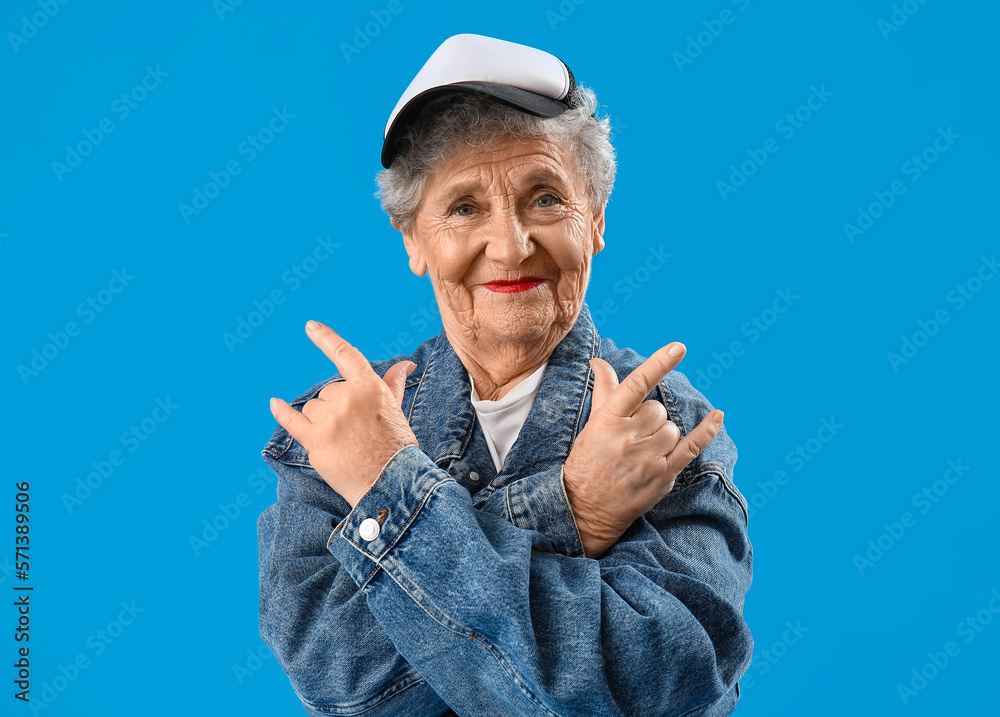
{"type": "Point", "coordinates": [369, 529]}
{"type": "Point", "coordinates": [474, 476]}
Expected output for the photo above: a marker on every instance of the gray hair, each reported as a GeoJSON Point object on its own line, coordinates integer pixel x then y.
{"type": "Point", "coordinates": [458, 120]}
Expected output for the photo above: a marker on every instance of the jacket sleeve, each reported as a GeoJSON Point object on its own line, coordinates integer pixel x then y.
{"type": "Point", "coordinates": [494, 620]}
{"type": "Point", "coordinates": [313, 617]}
{"type": "Point", "coordinates": [539, 502]}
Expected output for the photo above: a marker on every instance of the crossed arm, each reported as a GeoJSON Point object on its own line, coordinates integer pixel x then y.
{"type": "Point", "coordinates": [652, 628]}
{"type": "Point", "coordinates": [453, 605]}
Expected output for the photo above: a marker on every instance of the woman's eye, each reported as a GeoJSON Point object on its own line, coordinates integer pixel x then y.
{"type": "Point", "coordinates": [460, 210]}
{"type": "Point", "coordinates": [547, 200]}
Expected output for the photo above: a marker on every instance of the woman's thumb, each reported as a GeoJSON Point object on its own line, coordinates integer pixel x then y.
{"type": "Point", "coordinates": [397, 382]}
{"type": "Point", "coordinates": [605, 381]}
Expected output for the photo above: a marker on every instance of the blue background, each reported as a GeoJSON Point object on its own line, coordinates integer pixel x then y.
{"type": "Point", "coordinates": [685, 117]}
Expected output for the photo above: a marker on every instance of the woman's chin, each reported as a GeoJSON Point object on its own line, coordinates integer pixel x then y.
{"type": "Point", "coordinates": [517, 322]}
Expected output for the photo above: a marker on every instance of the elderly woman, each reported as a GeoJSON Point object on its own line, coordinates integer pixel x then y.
{"type": "Point", "coordinates": [520, 518]}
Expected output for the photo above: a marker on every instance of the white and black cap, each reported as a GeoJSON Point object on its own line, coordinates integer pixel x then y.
{"type": "Point", "coordinates": [522, 77]}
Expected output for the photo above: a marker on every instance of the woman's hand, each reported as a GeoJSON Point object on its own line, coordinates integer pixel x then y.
{"type": "Point", "coordinates": [629, 454]}
{"type": "Point", "coordinates": [353, 427]}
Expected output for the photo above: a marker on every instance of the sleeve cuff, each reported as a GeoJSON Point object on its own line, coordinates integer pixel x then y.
{"type": "Point", "coordinates": [379, 520]}
{"type": "Point", "coordinates": [540, 503]}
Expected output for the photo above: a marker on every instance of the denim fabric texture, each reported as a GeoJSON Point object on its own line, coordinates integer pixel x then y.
{"type": "Point", "coordinates": [475, 597]}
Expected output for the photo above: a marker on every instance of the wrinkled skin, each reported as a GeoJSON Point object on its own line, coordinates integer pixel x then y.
{"type": "Point", "coordinates": [511, 210]}
{"type": "Point", "coordinates": [519, 208]}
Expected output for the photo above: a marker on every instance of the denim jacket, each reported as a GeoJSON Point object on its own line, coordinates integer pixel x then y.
{"type": "Point", "coordinates": [474, 597]}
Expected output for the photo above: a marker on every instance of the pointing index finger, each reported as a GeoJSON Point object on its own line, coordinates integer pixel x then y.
{"type": "Point", "coordinates": [291, 420]}
{"type": "Point", "coordinates": [349, 361]}
{"type": "Point", "coordinates": [632, 391]}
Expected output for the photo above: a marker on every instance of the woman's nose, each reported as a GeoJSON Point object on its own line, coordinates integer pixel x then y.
{"type": "Point", "coordinates": [509, 240]}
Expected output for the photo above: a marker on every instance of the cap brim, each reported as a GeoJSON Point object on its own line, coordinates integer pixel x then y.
{"type": "Point", "coordinates": [529, 102]}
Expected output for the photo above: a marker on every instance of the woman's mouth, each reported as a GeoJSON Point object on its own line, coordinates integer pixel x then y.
{"type": "Point", "coordinates": [509, 287]}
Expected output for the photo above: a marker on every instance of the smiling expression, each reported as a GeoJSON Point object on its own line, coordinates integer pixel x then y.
{"type": "Point", "coordinates": [507, 234]}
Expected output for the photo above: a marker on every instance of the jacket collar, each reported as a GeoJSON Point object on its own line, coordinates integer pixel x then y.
{"type": "Point", "coordinates": [442, 416]}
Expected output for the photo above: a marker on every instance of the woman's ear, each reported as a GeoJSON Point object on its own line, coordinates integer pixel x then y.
{"type": "Point", "coordinates": [417, 264]}
{"type": "Point", "coordinates": [598, 229]}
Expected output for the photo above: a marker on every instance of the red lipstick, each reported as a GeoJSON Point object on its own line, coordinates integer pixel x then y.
{"type": "Point", "coordinates": [509, 287]}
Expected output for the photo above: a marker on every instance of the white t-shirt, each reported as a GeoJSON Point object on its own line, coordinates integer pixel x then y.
{"type": "Point", "coordinates": [501, 420]}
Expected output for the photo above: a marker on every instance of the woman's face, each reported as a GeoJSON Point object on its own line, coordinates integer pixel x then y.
{"type": "Point", "coordinates": [507, 234]}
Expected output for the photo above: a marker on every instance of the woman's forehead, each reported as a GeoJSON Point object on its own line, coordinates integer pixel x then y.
{"type": "Point", "coordinates": [518, 163]}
